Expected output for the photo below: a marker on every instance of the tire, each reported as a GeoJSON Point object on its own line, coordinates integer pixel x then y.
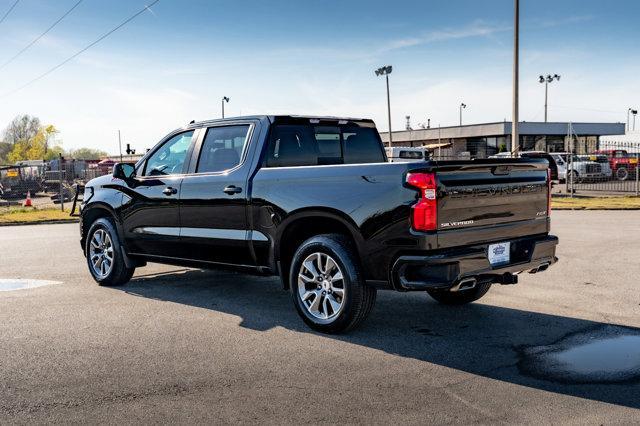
{"type": "Point", "coordinates": [573, 176]}
{"type": "Point", "coordinates": [463, 297]}
{"type": "Point", "coordinates": [330, 295]}
{"type": "Point", "coordinates": [622, 173]}
{"type": "Point", "coordinates": [111, 271]}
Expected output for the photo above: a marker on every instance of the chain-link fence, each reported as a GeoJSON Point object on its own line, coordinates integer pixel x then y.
{"type": "Point", "coordinates": [45, 185]}
{"type": "Point", "coordinates": [612, 168]}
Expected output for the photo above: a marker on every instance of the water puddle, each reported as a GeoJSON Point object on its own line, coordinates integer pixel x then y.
{"type": "Point", "coordinates": [18, 284]}
{"type": "Point", "coordinates": [607, 354]}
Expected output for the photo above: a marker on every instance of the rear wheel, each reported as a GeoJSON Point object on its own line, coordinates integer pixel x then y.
{"type": "Point", "coordinates": [327, 286]}
{"type": "Point", "coordinates": [104, 255]}
{"type": "Point", "coordinates": [461, 297]}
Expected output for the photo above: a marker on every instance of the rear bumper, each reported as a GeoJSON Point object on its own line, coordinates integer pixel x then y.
{"type": "Point", "coordinates": [445, 269]}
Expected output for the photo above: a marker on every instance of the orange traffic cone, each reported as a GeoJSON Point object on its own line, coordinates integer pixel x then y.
{"type": "Point", "coordinates": [27, 202]}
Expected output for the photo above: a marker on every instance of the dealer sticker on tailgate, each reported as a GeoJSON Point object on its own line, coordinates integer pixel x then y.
{"type": "Point", "coordinates": [499, 253]}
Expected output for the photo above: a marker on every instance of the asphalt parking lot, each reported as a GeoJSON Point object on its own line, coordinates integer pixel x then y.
{"type": "Point", "coordinates": [189, 346]}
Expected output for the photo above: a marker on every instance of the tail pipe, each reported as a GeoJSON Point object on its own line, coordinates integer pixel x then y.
{"type": "Point", "coordinates": [465, 284]}
{"type": "Point", "coordinates": [542, 267]}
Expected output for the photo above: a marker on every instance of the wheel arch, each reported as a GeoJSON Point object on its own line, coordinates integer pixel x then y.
{"type": "Point", "coordinates": [93, 212]}
{"type": "Point", "coordinates": [304, 224]}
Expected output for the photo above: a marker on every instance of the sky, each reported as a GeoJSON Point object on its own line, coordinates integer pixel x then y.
{"type": "Point", "coordinates": [175, 61]}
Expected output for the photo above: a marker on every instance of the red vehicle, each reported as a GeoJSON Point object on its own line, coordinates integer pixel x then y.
{"type": "Point", "coordinates": [623, 165]}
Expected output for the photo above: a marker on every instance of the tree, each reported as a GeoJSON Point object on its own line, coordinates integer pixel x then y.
{"type": "Point", "coordinates": [87, 154]}
{"type": "Point", "coordinates": [36, 147]}
{"type": "Point", "coordinates": [5, 149]}
{"type": "Point", "coordinates": [22, 128]}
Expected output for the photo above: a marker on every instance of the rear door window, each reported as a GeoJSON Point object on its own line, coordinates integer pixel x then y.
{"type": "Point", "coordinates": [362, 145]}
{"type": "Point", "coordinates": [310, 145]}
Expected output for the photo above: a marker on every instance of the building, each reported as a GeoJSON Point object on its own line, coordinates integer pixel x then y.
{"type": "Point", "coordinates": [483, 140]}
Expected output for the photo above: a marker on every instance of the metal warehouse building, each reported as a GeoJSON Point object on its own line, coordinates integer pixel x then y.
{"type": "Point", "coordinates": [483, 140]}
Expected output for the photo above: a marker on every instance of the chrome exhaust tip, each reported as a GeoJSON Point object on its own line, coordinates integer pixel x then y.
{"type": "Point", "coordinates": [465, 284]}
{"type": "Point", "coordinates": [540, 268]}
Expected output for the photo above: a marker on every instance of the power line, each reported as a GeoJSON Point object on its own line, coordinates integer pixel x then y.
{"type": "Point", "coordinates": [78, 53]}
{"type": "Point", "coordinates": [35, 40]}
{"type": "Point", "coordinates": [9, 11]}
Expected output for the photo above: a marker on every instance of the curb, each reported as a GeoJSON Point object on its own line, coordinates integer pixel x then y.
{"type": "Point", "coordinates": [42, 222]}
{"type": "Point", "coordinates": [597, 209]}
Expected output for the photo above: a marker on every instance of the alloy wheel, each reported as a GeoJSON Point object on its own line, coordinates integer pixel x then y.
{"type": "Point", "coordinates": [321, 286]}
{"type": "Point", "coordinates": [101, 253]}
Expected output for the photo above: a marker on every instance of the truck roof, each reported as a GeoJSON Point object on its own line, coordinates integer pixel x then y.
{"type": "Point", "coordinates": [278, 118]}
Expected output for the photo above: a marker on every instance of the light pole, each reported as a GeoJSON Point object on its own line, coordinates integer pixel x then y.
{"type": "Point", "coordinates": [462, 106]}
{"type": "Point", "coordinates": [224, 99]}
{"type": "Point", "coordinates": [386, 70]}
{"type": "Point", "coordinates": [515, 138]}
{"type": "Point", "coordinates": [546, 80]}
{"type": "Point", "coordinates": [634, 112]}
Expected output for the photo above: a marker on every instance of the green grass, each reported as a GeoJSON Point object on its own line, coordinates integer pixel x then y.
{"type": "Point", "coordinates": [595, 203]}
{"type": "Point", "coordinates": [32, 215]}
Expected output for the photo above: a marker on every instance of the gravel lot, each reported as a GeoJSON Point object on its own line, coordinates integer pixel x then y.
{"type": "Point", "coordinates": [189, 346]}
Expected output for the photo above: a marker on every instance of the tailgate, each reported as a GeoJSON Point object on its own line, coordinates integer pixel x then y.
{"type": "Point", "coordinates": [490, 200]}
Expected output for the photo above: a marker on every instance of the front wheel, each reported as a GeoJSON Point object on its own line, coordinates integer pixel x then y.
{"type": "Point", "coordinates": [327, 286]}
{"type": "Point", "coordinates": [461, 297]}
{"type": "Point", "coordinates": [104, 255]}
{"type": "Point", "coordinates": [573, 177]}
{"type": "Point", "coordinates": [622, 173]}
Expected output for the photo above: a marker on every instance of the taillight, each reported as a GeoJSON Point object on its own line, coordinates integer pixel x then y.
{"type": "Point", "coordinates": [549, 192]}
{"type": "Point", "coordinates": [425, 211]}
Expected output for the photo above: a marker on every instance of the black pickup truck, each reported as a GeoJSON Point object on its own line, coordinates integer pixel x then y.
{"type": "Point", "coordinates": [314, 200]}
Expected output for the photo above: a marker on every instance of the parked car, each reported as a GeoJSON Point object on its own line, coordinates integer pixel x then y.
{"type": "Point", "coordinates": [561, 162]}
{"type": "Point", "coordinates": [623, 165]}
{"type": "Point", "coordinates": [603, 160]}
{"type": "Point", "coordinates": [585, 168]}
{"type": "Point", "coordinates": [315, 201]}
{"type": "Point", "coordinates": [406, 154]}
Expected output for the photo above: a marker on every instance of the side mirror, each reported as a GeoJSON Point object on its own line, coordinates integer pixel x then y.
{"type": "Point", "coordinates": [123, 171]}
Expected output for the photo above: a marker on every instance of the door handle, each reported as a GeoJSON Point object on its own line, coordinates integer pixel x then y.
{"type": "Point", "coordinates": [232, 189]}
{"type": "Point", "coordinates": [169, 191]}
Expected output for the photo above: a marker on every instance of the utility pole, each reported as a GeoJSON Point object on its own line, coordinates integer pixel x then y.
{"type": "Point", "coordinates": [120, 145]}
{"type": "Point", "coordinates": [515, 136]}
{"type": "Point", "coordinates": [60, 177]}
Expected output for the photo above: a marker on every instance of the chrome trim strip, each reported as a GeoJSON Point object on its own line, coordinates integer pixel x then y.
{"type": "Point", "coordinates": [158, 230]}
{"type": "Point", "coordinates": [221, 234]}
{"type": "Point", "coordinates": [257, 236]}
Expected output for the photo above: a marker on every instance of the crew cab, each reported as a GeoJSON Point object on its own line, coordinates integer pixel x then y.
{"type": "Point", "coordinates": [314, 200]}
